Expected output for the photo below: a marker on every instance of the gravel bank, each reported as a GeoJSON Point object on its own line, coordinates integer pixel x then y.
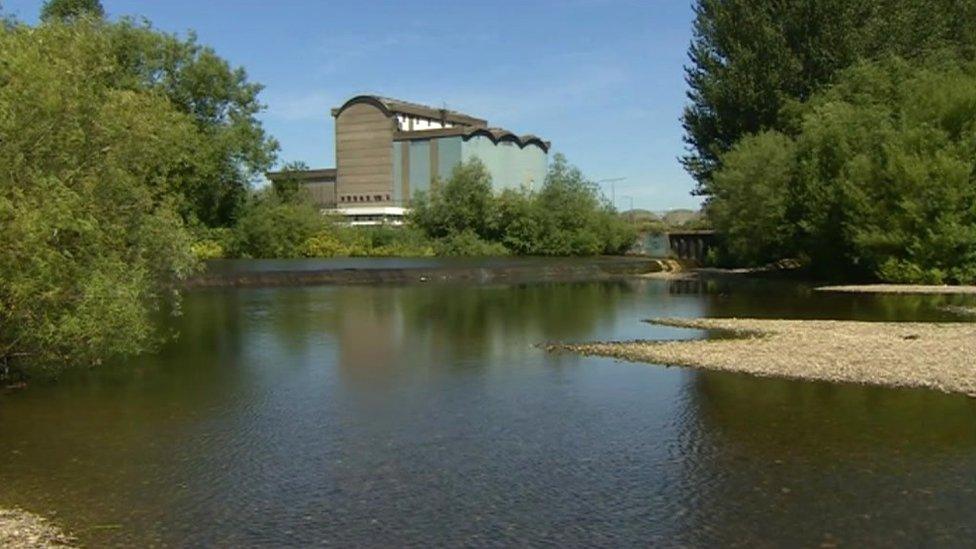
{"type": "Point", "coordinates": [23, 530]}
{"type": "Point", "coordinates": [899, 289]}
{"type": "Point", "coordinates": [938, 356]}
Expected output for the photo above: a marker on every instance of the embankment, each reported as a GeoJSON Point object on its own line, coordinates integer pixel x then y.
{"type": "Point", "coordinates": [261, 273]}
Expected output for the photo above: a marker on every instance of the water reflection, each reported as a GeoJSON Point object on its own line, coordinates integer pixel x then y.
{"type": "Point", "coordinates": [424, 415]}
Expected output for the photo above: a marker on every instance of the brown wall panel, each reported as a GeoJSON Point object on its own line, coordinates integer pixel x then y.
{"type": "Point", "coordinates": [364, 151]}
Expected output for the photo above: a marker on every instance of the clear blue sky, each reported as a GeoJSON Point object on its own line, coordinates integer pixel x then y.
{"type": "Point", "coordinates": [601, 79]}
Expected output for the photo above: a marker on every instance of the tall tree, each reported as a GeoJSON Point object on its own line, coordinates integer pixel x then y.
{"type": "Point", "coordinates": [751, 58]}
{"type": "Point", "coordinates": [65, 10]}
{"type": "Point", "coordinates": [219, 97]}
{"type": "Point", "coordinates": [91, 240]}
{"type": "Point", "coordinates": [198, 82]}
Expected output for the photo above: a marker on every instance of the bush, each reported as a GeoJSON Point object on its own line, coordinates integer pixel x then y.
{"type": "Point", "coordinates": [566, 217]}
{"type": "Point", "coordinates": [324, 244]}
{"type": "Point", "coordinates": [878, 177]}
{"type": "Point", "coordinates": [272, 227]}
{"type": "Point", "coordinates": [92, 241]}
{"type": "Point", "coordinates": [467, 243]}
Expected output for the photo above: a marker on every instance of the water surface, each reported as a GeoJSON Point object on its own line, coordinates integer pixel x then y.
{"type": "Point", "coordinates": [424, 414]}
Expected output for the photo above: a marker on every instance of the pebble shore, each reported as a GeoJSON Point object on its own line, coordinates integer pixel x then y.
{"type": "Point", "coordinates": [939, 356]}
{"type": "Point", "coordinates": [23, 530]}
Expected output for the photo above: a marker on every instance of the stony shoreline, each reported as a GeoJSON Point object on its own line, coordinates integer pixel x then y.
{"type": "Point", "coordinates": [939, 356]}
{"type": "Point", "coordinates": [898, 289]}
{"type": "Point", "coordinates": [22, 530]}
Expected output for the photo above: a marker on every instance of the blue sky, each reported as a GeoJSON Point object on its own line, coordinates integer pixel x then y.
{"type": "Point", "coordinates": [601, 79]}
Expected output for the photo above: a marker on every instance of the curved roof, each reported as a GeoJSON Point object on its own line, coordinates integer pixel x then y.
{"type": "Point", "coordinates": [497, 135]}
{"type": "Point", "coordinates": [391, 106]}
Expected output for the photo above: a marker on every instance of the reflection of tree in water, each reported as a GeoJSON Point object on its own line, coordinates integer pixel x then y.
{"type": "Point", "coordinates": [778, 298]}
{"type": "Point", "coordinates": [787, 460]}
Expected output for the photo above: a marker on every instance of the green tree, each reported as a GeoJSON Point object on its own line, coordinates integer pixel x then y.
{"type": "Point", "coordinates": [66, 10]}
{"type": "Point", "coordinates": [463, 203]}
{"type": "Point", "coordinates": [91, 236]}
{"type": "Point", "coordinates": [235, 150]}
{"type": "Point", "coordinates": [751, 58]}
{"type": "Point", "coordinates": [273, 226]}
{"type": "Point", "coordinates": [219, 98]}
{"type": "Point", "coordinates": [750, 197]}
{"type": "Point", "coordinates": [565, 217]}
{"type": "Point", "coordinates": [879, 179]}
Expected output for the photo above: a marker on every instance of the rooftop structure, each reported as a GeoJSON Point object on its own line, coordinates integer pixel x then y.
{"type": "Point", "coordinates": [389, 149]}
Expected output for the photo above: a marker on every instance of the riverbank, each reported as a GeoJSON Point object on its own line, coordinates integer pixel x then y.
{"type": "Point", "coordinates": [899, 289]}
{"type": "Point", "coordinates": [268, 273]}
{"type": "Point", "coordinates": [897, 354]}
{"type": "Point", "coordinates": [23, 530]}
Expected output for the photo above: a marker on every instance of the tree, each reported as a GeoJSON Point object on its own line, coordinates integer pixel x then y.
{"type": "Point", "coordinates": [463, 203]}
{"type": "Point", "coordinates": [92, 241]}
{"type": "Point", "coordinates": [750, 59]}
{"type": "Point", "coordinates": [879, 178]}
{"type": "Point", "coordinates": [222, 102]}
{"type": "Point", "coordinates": [750, 197]}
{"type": "Point", "coordinates": [67, 10]}
{"type": "Point", "coordinates": [198, 82]}
{"type": "Point", "coordinates": [274, 225]}
{"type": "Point", "coordinates": [565, 217]}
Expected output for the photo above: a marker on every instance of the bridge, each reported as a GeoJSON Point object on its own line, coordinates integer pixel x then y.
{"type": "Point", "coordinates": [691, 244]}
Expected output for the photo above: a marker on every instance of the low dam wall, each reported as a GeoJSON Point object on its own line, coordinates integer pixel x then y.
{"type": "Point", "coordinates": [262, 273]}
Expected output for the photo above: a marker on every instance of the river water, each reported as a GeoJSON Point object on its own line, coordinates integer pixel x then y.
{"type": "Point", "coordinates": [417, 415]}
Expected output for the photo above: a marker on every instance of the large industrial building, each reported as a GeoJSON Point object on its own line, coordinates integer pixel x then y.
{"type": "Point", "coordinates": [386, 150]}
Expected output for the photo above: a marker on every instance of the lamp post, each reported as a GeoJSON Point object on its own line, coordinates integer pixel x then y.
{"type": "Point", "coordinates": [611, 181]}
{"type": "Point", "coordinates": [630, 212]}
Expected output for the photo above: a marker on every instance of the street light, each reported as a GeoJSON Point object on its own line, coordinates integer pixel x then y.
{"type": "Point", "coordinates": [611, 181]}
{"type": "Point", "coordinates": [630, 212]}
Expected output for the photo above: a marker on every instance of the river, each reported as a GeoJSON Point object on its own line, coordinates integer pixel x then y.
{"type": "Point", "coordinates": [420, 414]}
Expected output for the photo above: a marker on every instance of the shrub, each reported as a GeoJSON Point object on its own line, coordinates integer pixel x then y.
{"type": "Point", "coordinates": [273, 227]}
{"type": "Point", "coordinates": [467, 243]}
{"type": "Point", "coordinates": [565, 217]}
{"type": "Point", "coordinates": [879, 177]}
{"type": "Point", "coordinates": [92, 241]}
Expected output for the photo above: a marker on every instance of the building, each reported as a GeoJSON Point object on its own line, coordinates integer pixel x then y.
{"type": "Point", "coordinates": [386, 150]}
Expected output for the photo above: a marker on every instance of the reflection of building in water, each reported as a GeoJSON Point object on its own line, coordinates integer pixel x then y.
{"type": "Point", "coordinates": [392, 332]}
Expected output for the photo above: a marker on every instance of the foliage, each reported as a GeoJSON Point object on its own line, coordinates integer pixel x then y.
{"type": "Point", "coordinates": [468, 243]}
{"type": "Point", "coordinates": [272, 226]}
{"type": "Point", "coordinates": [92, 237]}
{"type": "Point", "coordinates": [878, 178]}
{"type": "Point", "coordinates": [221, 101]}
{"type": "Point", "coordinates": [565, 217]}
{"type": "Point", "coordinates": [750, 59]}
{"type": "Point", "coordinates": [66, 10]}
{"type": "Point", "coordinates": [750, 197]}
{"type": "Point", "coordinates": [463, 203]}
{"type": "Point", "coordinates": [378, 241]}
{"type": "Point", "coordinates": [288, 186]}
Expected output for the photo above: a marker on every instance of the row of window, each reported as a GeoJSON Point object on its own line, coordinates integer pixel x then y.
{"type": "Point", "coordinates": [364, 198]}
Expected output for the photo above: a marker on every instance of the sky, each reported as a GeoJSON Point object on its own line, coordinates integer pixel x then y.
{"type": "Point", "coordinates": [602, 80]}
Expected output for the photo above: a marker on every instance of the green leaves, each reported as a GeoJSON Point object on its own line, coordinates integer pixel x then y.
{"type": "Point", "coordinates": [879, 178]}
{"type": "Point", "coordinates": [566, 217]}
{"type": "Point", "coordinates": [750, 61]}
{"type": "Point", "coordinates": [91, 233]}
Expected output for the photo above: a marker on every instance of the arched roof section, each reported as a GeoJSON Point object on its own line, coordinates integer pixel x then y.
{"type": "Point", "coordinates": [498, 135]}
{"type": "Point", "coordinates": [367, 99]}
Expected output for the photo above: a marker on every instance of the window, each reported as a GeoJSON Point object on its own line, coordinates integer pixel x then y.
{"type": "Point", "coordinates": [378, 197]}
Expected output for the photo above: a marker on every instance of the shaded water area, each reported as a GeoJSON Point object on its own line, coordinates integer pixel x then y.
{"type": "Point", "coordinates": [423, 414]}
